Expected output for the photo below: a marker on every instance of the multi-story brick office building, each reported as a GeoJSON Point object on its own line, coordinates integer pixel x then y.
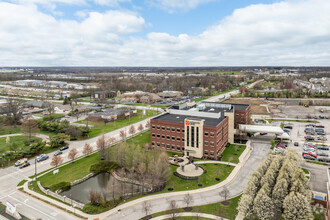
{"type": "Point", "coordinates": [201, 130]}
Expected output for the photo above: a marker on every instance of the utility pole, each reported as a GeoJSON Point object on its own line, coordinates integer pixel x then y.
{"type": "Point", "coordinates": [35, 168]}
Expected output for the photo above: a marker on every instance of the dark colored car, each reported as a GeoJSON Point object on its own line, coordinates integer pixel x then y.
{"type": "Point", "coordinates": [309, 138]}
{"type": "Point", "coordinates": [64, 148]}
{"type": "Point", "coordinates": [321, 116]}
{"type": "Point", "coordinates": [296, 144]}
{"type": "Point", "coordinates": [322, 148]}
{"type": "Point", "coordinates": [25, 164]}
{"type": "Point", "coordinates": [288, 126]}
{"type": "Point", "coordinates": [319, 126]}
{"type": "Point", "coordinates": [58, 153]}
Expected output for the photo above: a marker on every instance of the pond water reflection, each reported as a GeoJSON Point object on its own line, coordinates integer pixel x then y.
{"type": "Point", "coordinates": [104, 183]}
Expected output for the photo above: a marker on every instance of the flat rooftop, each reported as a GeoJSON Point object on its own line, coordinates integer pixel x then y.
{"type": "Point", "coordinates": [211, 122]}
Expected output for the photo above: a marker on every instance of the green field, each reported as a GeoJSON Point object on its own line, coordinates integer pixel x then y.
{"type": "Point", "coordinates": [226, 211]}
{"type": "Point", "coordinates": [100, 127]}
{"type": "Point", "coordinates": [19, 140]}
{"type": "Point", "coordinates": [207, 179]}
{"type": "Point", "coordinates": [9, 130]}
{"type": "Point", "coordinates": [229, 153]}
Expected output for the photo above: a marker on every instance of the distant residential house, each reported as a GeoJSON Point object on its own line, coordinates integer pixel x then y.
{"type": "Point", "coordinates": [194, 90]}
{"type": "Point", "coordinates": [112, 114]}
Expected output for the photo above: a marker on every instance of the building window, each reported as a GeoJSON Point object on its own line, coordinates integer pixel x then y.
{"type": "Point", "coordinates": [173, 129]}
{"type": "Point", "coordinates": [163, 128]}
{"type": "Point", "coordinates": [173, 138]}
{"type": "Point", "coordinates": [182, 130]}
{"type": "Point", "coordinates": [211, 134]}
{"type": "Point", "coordinates": [197, 137]}
{"type": "Point", "coordinates": [158, 135]}
{"type": "Point", "coordinates": [206, 143]}
{"type": "Point", "coordinates": [153, 135]}
{"type": "Point", "coordinates": [153, 126]}
{"type": "Point", "coordinates": [163, 145]}
{"type": "Point", "coordinates": [182, 139]}
{"type": "Point", "coordinates": [212, 153]}
{"type": "Point", "coordinates": [168, 146]}
{"type": "Point", "coordinates": [178, 139]}
{"type": "Point", "coordinates": [192, 136]}
{"type": "Point", "coordinates": [188, 136]}
{"type": "Point", "coordinates": [178, 147]}
{"type": "Point", "coordinates": [173, 147]}
{"type": "Point", "coordinates": [206, 152]}
{"type": "Point", "coordinates": [158, 127]}
{"type": "Point", "coordinates": [153, 143]}
{"type": "Point", "coordinates": [163, 136]}
{"type": "Point", "coordinates": [158, 144]}
{"type": "Point", "coordinates": [168, 137]}
{"type": "Point", "coordinates": [212, 144]}
{"type": "Point", "coordinates": [182, 148]}
{"type": "Point", "coordinates": [178, 129]}
{"type": "Point", "coordinates": [206, 134]}
{"type": "Point", "coordinates": [168, 128]}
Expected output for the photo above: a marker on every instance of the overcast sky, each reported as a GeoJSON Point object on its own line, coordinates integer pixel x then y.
{"type": "Point", "coordinates": [164, 32]}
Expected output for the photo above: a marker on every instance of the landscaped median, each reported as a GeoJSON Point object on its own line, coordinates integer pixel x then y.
{"type": "Point", "coordinates": [216, 172]}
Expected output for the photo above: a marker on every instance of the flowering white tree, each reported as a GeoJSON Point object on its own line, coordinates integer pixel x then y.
{"type": "Point", "coordinates": [297, 206]}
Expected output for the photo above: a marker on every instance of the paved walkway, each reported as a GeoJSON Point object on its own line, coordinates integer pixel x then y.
{"type": "Point", "coordinates": [42, 136]}
{"type": "Point", "coordinates": [193, 214]}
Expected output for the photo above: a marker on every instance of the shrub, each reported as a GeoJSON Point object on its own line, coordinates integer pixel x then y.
{"type": "Point", "coordinates": [64, 186]}
{"type": "Point", "coordinates": [103, 166]}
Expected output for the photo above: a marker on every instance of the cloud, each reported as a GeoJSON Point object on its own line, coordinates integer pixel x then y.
{"type": "Point", "coordinates": [111, 3]}
{"type": "Point", "coordinates": [285, 33]}
{"type": "Point", "coordinates": [175, 5]}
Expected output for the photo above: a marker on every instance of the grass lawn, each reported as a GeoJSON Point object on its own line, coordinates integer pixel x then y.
{"type": "Point", "coordinates": [229, 153]}
{"type": "Point", "coordinates": [226, 211]}
{"type": "Point", "coordinates": [207, 179]}
{"type": "Point", "coordinates": [19, 140]}
{"type": "Point", "coordinates": [70, 172]}
{"type": "Point", "coordinates": [99, 127]}
{"type": "Point", "coordinates": [9, 130]}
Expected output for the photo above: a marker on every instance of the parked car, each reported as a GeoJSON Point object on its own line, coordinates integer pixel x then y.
{"type": "Point", "coordinates": [324, 159]}
{"type": "Point", "coordinates": [322, 148]}
{"type": "Point", "coordinates": [64, 148]}
{"type": "Point", "coordinates": [321, 116]}
{"type": "Point", "coordinates": [58, 153]}
{"type": "Point", "coordinates": [309, 155]}
{"type": "Point", "coordinates": [288, 126]}
{"type": "Point", "coordinates": [310, 125]}
{"type": "Point", "coordinates": [286, 130]}
{"type": "Point", "coordinates": [42, 157]}
{"type": "Point", "coordinates": [281, 146]}
{"type": "Point", "coordinates": [296, 144]}
{"type": "Point", "coordinates": [20, 162]}
{"type": "Point", "coordinates": [263, 133]}
{"type": "Point", "coordinates": [322, 153]}
{"type": "Point", "coordinates": [309, 138]}
{"type": "Point", "coordinates": [319, 126]}
{"type": "Point", "coordinates": [321, 138]}
{"type": "Point", "coordinates": [25, 164]}
{"type": "Point", "coordinates": [308, 149]}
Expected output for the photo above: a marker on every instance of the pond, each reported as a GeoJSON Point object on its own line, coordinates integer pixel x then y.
{"type": "Point", "coordinates": [106, 184]}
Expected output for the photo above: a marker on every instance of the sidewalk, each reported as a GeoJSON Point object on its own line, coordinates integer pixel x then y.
{"type": "Point", "coordinates": [193, 214]}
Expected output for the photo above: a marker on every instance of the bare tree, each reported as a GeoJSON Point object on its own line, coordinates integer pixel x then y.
{"type": "Point", "coordinates": [172, 209]}
{"type": "Point", "coordinates": [29, 127]}
{"type": "Point", "coordinates": [100, 144]}
{"type": "Point", "coordinates": [56, 160]}
{"type": "Point", "coordinates": [146, 207]}
{"type": "Point", "coordinates": [131, 130]}
{"type": "Point", "coordinates": [110, 141]}
{"type": "Point", "coordinates": [122, 135]}
{"type": "Point", "coordinates": [147, 124]}
{"type": "Point", "coordinates": [140, 128]}
{"type": "Point", "coordinates": [14, 111]}
{"type": "Point", "coordinates": [224, 192]}
{"type": "Point", "coordinates": [87, 149]}
{"type": "Point", "coordinates": [188, 199]}
{"type": "Point", "coordinates": [72, 154]}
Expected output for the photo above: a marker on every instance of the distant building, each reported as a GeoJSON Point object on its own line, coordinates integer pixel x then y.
{"type": "Point", "coordinates": [170, 94]}
{"type": "Point", "coordinates": [103, 94]}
